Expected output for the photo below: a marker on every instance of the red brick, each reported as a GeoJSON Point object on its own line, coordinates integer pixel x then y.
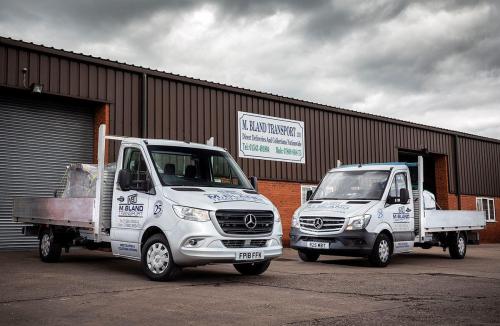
{"type": "Point", "coordinates": [286, 197]}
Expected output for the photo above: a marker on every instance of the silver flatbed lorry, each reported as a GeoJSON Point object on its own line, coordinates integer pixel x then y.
{"type": "Point", "coordinates": [375, 211]}
{"type": "Point", "coordinates": [167, 204]}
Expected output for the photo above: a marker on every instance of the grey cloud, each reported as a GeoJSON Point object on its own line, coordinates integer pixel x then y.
{"type": "Point", "coordinates": [415, 60]}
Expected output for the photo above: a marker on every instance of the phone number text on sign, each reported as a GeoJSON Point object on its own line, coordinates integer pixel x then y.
{"type": "Point", "coordinates": [269, 138]}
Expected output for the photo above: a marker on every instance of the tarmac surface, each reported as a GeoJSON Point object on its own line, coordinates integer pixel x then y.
{"type": "Point", "coordinates": [94, 288]}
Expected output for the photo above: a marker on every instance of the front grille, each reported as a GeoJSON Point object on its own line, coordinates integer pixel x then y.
{"type": "Point", "coordinates": [233, 221]}
{"type": "Point", "coordinates": [257, 243]}
{"type": "Point", "coordinates": [327, 224]}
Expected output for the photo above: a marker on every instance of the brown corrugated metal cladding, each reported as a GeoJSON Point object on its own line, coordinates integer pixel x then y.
{"type": "Point", "coordinates": [193, 110]}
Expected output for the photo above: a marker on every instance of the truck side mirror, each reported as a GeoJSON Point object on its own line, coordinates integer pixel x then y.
{"type": "Point", "coordinates": [404, 196]}
{"type": "Point", "coordinates": [124, 179]}
{"type": "Point", "coordinates": [309, 194]}
{"type": "Point", "coordinates": [254, 183]}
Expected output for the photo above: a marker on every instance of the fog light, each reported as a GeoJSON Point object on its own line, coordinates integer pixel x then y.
{"type": "Point", "coordinates": [193, 242]}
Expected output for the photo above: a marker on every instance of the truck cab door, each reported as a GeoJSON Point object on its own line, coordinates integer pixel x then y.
{"type": "Point", "coordinates": [130, 206]}
{"type": "Point", "coordinates": [400, 214]}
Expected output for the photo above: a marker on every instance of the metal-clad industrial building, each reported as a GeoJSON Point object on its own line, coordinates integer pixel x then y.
{"type": "Point", "coordinates": [41, 133]}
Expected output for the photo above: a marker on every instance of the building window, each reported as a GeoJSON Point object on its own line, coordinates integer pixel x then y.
{"type": "Point", "coordinates": [303, 192]}
{"type": "Point", "coordinates": [488, 206]}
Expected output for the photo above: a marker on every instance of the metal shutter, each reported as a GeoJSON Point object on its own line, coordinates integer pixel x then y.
{"type": "Point", "coordinates": [38, 138]}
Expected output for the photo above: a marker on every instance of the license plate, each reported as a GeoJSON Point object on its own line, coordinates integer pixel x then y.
{"type": "Point", "coordinates": [318, 245]}
{"type": "Point", "coordinates": [249, 255]}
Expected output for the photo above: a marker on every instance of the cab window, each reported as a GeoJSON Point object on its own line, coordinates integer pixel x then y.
{"type": "Point", "coordinates": [399, 182]}
{"type": "Point", "coordinates": [134, 162]}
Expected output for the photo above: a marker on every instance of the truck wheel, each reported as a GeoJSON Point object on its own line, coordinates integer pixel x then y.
{"type": "Point", "coordinates": [252, 268]}
{"type": "Point", "coordinates": [156, 259]}
{"type": "Point", "coordinates": [49, 249]}
{"type": "Point", "coordinates": [308, 256]}
{"type": "Point", "coordinates": [458, 245]}
{"type": "Point", "coordinates": [381, 252]}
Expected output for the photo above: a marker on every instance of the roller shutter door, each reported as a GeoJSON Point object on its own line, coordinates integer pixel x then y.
{"type": "Point", "coordinates": [38, 138]}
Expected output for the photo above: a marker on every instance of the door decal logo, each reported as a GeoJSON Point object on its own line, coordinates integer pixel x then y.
{"type": "Point", "coordinates": [131, 208]}
{"type": "Point", "coordinates": [132, 199]}
{"type": "Point", "coordinates": [401, 216]}
{"type": "Point", "coordinates": [158, 208]}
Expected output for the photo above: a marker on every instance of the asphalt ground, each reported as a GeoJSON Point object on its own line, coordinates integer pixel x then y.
{"type": "Point", "coordinates": [94, 288]}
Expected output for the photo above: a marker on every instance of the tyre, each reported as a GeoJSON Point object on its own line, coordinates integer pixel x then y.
{"type": "Point", "coordinates": [252, 268]}
{"type": "Point", "coordinates": [381, 252]}
{"type": "Point", "coordinates": [457, 244]}
{"type": "Point", "coordinates": [308, 256]}
{"type": "Point", "coordinates": [48, 248]}
{"type": "Point", "coordinates": [156, 259]}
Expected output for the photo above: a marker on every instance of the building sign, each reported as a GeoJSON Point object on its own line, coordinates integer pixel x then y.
{"type": "Point", "coordinates": [269, 138]}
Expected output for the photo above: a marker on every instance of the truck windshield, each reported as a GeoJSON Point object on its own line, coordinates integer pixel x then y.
{"type": "Point", "coordinates": [183, 166]}
{"type": "Point", "coordinates": [348, 185]}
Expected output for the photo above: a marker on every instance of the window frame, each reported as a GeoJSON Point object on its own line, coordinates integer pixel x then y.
{"type": "Point", "coordinates": [394, 181]}
{"type": "Point", "coordinates": [479, 207]}
{"type": "Point", "coordinates": [148, 177]}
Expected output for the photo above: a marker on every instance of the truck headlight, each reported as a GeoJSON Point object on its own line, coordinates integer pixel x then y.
{"type": "Point", "coordinates": [277, 217]}
{"type": "Point", "coordinates": [358, 222]}
{"type": "Point", "coordinates": [295, 220]}
{"type": "Point", "coordinates": [192, 214]}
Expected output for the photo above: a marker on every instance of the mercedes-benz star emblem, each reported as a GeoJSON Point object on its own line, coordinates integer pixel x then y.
{"type": "Point", "coordinates": [250, 221]}
{"type": "Point", "coordinates": [318, 223]}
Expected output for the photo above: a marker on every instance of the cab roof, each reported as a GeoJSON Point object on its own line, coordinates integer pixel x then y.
{"type": "Point", "coordinates": [373, 166]}
{"type": "Point", "coordinates": [165, 142]}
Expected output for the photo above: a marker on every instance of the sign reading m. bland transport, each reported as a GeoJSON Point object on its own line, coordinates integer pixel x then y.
{"type": "Point", "coordinates": [269, 138]}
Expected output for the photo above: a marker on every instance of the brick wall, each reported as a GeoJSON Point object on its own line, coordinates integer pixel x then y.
{"type": "Point", "coordinates": [492, 231]}
{"type": "Point", "coordinates": [441, 173]}
{"type": "Point", "coordinates": [286, 197]}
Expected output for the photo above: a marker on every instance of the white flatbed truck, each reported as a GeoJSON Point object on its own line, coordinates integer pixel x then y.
{"type": "Point", "coordinates": [168, 204]}
{"type": "Point", "coordinates": [374, 211]}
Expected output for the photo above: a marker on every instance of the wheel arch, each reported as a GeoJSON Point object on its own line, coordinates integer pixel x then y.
{"type": "Point", "coordinates": [389, 234]}
{"type": "Point", "coordinates": [150, 231]}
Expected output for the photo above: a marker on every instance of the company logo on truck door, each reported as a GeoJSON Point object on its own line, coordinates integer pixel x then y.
{"type": "Point", "coordinates": [401, 216]}
{"type": "Point", "coordinates": [132, 208]}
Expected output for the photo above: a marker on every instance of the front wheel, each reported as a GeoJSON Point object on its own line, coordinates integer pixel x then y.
{"type": "Point", "coordinates": [381, 252]}
{"type": "Point", "coordinates": [49, 249]}
{"type": "Point", "coordinates": [458, 246]}
{"type": "Point", "coordinates": [156, 259]}
{"type": "Point", "coordinates": [252, 268]}
{"type": "Point", "coordinates": [308, 256]}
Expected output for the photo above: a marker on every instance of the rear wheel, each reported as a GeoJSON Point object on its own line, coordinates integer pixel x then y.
{"type": "Point", "coordinates": [308, 256]}
{"type": "Point", "coordinates": [49, 249]}
{"type": "Point", "coordinates": [156, 259]}
{"type": "Point", "coordinates": [382, 251]}
{"type": "Point", "coordinates": [252, 268]}
{"type": "Point", "coordinates": [457, 244]}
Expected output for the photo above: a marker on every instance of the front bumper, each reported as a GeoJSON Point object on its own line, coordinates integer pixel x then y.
{"type": "Point", "coordinates": [357, 243]}
{"type": "Point", "coordinates": [210, 248]}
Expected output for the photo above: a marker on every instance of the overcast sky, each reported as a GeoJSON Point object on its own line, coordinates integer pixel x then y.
{"type": "Point", "coordinates": [432, 62]}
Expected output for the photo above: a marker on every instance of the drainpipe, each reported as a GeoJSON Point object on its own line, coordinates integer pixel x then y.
{"type": "Point", "coordinates": [457, 173]}
{"type": "Point", "coordinates": [144, 106]}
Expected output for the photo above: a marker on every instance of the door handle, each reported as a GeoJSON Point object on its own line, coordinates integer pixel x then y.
{"type": "Point", "coordinates": [408, 210]}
